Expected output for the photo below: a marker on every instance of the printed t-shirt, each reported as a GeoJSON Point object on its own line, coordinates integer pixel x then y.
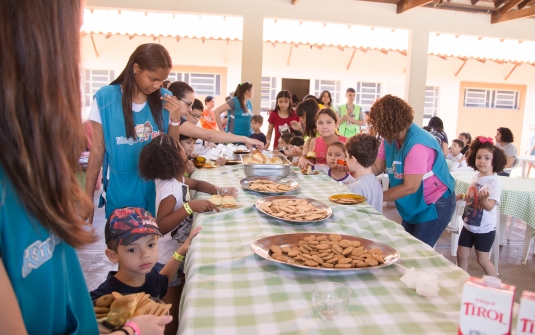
{"type": "Point", "coordinates": [170, 242]}
{"type": "Point", "coordinates": [43, 270]}
{"type": "Point", "coordinates": [420, 160]}
{"type": "Point", "coordinates": [281, 125]}
{"type": "Point", "coordinates": [155, 285]}
{"type": "Point", "coordinates": [208, 119]}
{"type": "Point", "coordinates": [475, 218]}
{"type": "Point", "coordinates": [260, 136]}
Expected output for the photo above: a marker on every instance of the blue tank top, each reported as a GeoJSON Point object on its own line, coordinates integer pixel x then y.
{"type": "Point", "coordinates": [44, 271]}
{"type": "Point", "coordinates": [124, 187]}
{"type": "Point", "coordinates": [239, 121]}
{"type": "Point", "coordinates": [412, 207]}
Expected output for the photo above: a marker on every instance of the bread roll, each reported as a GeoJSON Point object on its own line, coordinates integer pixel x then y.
{"type": "Point", "coordinates": [228, 200]}
{"type": "Point", "coordinates": [276, 160]}
{"type": "Point", "coordinates": [260, 157]}
{"type": "Point", "coordinates": [311, 154]}
{"type": "Point", "coordinates": [216, 200]}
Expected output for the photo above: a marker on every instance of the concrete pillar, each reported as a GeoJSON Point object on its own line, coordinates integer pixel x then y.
{"type": "Point", "coordinates": [252, 51]}
{"type": "Point", "coordinates": [416, 73]}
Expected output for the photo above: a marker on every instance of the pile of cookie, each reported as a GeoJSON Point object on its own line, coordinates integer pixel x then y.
{"type": "Point", "coordinates": [328, 252]}
{"type": "Point", "coordinates": [349, 200]}
{"type": "Point", "coordinates": [263, 185]}
{"type": "Point", "coordinates": [117, 308]}
{"type": "Point", "coordinates": [296, 209]}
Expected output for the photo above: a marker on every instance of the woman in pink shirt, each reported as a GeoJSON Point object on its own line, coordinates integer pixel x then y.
{"type": "Point", "coordinates": [421, 184]}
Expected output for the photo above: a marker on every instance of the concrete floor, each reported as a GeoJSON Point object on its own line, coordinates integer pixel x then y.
{"type": "Point", "coordinates": [96, 265]}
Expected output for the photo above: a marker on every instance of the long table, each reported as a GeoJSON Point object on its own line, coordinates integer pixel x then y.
{"type": "Point", "coordinates": [230, 290]}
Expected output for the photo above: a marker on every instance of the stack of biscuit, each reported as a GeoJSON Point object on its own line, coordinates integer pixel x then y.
{"type": "Point", "coordinates": [116, 308]}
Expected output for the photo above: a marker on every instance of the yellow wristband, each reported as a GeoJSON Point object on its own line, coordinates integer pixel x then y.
{"type": "Point", "coordinates": [188, 208]}
{"type": "Point", "coordinates": [178, 257]}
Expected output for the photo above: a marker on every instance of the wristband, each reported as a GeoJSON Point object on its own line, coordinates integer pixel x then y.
{"type": "Point", "coordinates": [463, 196]}
{"type": "Point", "coordinates": [134, 327]}
{"type": "Point", "coordinates": [188, 208]}
{"type": "Point", "coordinates": [187, 175]}
{"type": "Point", "coordinates": [178, 257]}
{"type": "Point", "coordinates": [175, 123]}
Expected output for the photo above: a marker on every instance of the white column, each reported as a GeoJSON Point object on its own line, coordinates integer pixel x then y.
{"type": "Point", "coordinates": [252, 50]}
{"type": "Point", "coordinates": [416, 73]}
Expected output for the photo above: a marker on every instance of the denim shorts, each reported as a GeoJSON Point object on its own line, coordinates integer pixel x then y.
{"type": "Point", "coordinates": [176, 279]}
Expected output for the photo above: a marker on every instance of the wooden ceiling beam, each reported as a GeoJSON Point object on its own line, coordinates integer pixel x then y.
{"type": "Point", "coordinates": [523, 4]}
{"type": "Point", "coordinates": [351, 59]}
{"type": "Point", "coordinates": [510, 73]}
{"type": "Point", "coordinates": [290, 55]}
{"type": "Point", "coordinates": [473, 2]}
{"type": "Point", "coordinates": [498, 3]}
{"type": "Point", "coordinates": [94, 45]}
{"type": "Point", "coordinates": [294, 2]}
{"type": "Point", "coordinates": [405, 5]}
{"type": "Point", "coordinates": [464, 63]}
{"type": "Point", "coordinates": [500, 16]}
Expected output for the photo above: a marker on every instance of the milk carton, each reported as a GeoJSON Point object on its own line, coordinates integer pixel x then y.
{"type": "Point", "coordinates": [486, 307]}
{"type": "Point", "coordinates": [526, 314]}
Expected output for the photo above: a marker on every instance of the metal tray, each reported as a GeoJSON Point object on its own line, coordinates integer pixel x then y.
{"type": "Point", "coordinates": [262, 246]}
{"type": "Point", "coordinates": [314, 202]}
{"type": "Point", "coordinates": [273, 170]}
{"type": "Point", "coordinates": [245, 184]}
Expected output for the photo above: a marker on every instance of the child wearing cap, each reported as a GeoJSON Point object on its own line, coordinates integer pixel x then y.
{"type": "Point", "coordinates": [362, 151]}
{"type": "Point", "coordinates": [132, 240]}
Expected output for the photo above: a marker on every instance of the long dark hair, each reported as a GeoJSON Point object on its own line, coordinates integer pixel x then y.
{"type": "Point", "coordinates": [240, 93]}
{"type": "Point", "coordinates": [310, 108]}
{"type": "Point", "coordinates": [283, 94]}
{"type": "Point", "coordinates": [320, 99]}
{"type": "Point", "coordinates": [180, 89]}
{"type": "Point", "coordinates": [436, 123]}
{"type": "Point", "coordinates": [151, 57]}
{"type": "Point", "coordinates": [41, 132]}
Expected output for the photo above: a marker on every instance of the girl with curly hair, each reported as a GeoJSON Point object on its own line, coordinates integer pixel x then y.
{"type": "Point", "coordinates": [482, 201]}
{"type": "Point", "coordinates": [504, 140]}
{"type": "Point", "coordinates": [164, 161]}
{"type": "Point", "coordinates": [421, 184]}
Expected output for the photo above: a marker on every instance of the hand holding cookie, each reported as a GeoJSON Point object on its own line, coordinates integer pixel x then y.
{"type": "Point", "coordinates": [202, 206]}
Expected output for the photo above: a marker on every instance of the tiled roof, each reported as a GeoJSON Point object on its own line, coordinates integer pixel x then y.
{"type": "Point", "coordinates": [131, 23]}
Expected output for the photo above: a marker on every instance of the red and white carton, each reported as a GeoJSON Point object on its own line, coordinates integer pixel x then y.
{"type": "Point", "coordinates": [486, 307]}
{"type": "Point", "coordinates": [526, 314]}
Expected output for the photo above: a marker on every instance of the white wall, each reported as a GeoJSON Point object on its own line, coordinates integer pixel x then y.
{"type": "Point", "coordinates": [329, 63]}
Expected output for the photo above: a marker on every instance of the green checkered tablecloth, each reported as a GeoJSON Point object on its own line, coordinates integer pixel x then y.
{"type": "Point", "coordinates": [517, 199]}
{"type": "Point", "coordinates": [230, 290]}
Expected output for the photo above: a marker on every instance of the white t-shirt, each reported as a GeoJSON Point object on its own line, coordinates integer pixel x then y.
{"type": "Point", "coordinates": [454, 158]}
{"type": "Point", "coordinates": [476, 219]}
{"type": "Point", "coordinates": [94, 114]}
{"type": "Point", "coordinates": [170, 242]}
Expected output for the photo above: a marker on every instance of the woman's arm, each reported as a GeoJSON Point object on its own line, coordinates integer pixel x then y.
{"type": "Point", "coordinates": [445, 149]}
{"type": "Point", "coordinates": [378, 166]}
{"type": "Point", "coordinates": [510, 161]}
{"type": "Point", "coordinates": [200, 186]}
{"type": "Point", "coordinates": [10, 315]}
{"type": "Point", "coordinates": [217, 114]}
{"type": "Point", "coordinates": [94, 165]}
{"type": "Point", "coordinates": [411, 183]}
{"type": "Point", "coordinates": [191, 130]}
{"type": "Point", "coordinates": [268, 136]}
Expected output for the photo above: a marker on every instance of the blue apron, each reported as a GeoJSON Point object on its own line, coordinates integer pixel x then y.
{"type": "Point", "coordinates": [239, 121]}
{"type": "Point", "coordinates": [412, 207]}
{"type": "Point", "coordinates": [123, 186]}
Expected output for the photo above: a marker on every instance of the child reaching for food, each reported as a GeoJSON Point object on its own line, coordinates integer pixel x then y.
{"type": "Point", "coordinates": [295, 149]}
{"type": "Point", "coordinates": [316, 148]}
{"type": "Point", "coordinates": [336, 156]}
{"type": "Point", "coordinates": [482, 199]}
{"type": "Point", "coordinates": [132, 239]}
{"type": "Point", "coordinates": [164, 161]}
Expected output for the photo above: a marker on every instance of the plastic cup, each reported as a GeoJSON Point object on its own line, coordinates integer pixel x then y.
{"type": "Point", "coordinates": [341, 188]}
{"type": "Point", "coordinates": [330, 299]}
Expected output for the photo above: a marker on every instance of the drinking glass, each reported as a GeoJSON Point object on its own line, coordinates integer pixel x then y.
{"type": "Point", "coordinates": [199, 162]}
{"type": "Point", "coordinates": [341, 188]}
{"type": "Point", "coordinates": [330, 299]}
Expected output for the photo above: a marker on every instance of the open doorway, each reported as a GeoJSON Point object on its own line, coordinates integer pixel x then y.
{"type": "Point", "coordinates": [299, 87]}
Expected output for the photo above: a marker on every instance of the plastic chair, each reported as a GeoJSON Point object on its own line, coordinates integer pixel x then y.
{"type": "Point", "coordinates": [455, 226]}
{"type": "Point", "coordinates": [496, 246]}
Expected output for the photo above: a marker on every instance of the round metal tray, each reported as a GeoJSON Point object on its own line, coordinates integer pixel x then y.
{"type": "Point", "coordinates": [245, 184]}
{"type": "Point", "coordinates": [314, 202]}
{"type": "Point", "coordinates": [262, 246]}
